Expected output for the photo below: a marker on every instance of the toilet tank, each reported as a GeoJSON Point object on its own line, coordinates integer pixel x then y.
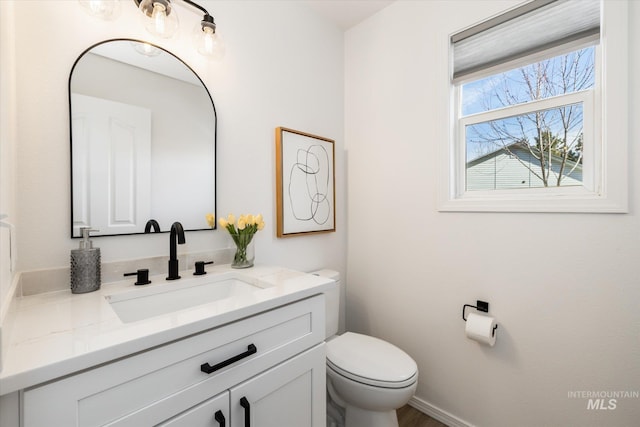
{"type": "Point", "coordinates": [332, 302]}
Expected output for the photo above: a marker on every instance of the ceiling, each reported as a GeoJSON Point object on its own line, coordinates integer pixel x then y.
{"type": "Point", "coordinates": [347, 13]}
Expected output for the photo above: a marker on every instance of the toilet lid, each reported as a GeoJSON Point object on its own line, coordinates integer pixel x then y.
{"type": "Point", "coordinates": [371, 361]}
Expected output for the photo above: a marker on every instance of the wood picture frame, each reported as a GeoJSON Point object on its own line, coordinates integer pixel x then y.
{"type": "Point", "coordinates": [305, 183]}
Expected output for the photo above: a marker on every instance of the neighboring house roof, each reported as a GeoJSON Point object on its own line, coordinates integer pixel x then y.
{"type": "Point", "coordinates": [501, 169]}
{"type": "Point", "coordinates": [516, 148]}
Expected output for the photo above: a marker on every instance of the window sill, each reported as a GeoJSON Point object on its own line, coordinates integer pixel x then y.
{"type": "Point", "coordinates": [574, 200]}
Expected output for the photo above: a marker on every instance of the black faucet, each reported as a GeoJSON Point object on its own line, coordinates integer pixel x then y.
{"type": "Point", "coordinates": [152, 223]}
{"type": "Point", "coordinates": [176, 231]}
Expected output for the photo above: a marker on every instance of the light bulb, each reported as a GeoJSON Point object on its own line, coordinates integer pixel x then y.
{"type": "Point", "coordinates": [159, 18]}
{"type": "Point", "coordinates": [208, 42]}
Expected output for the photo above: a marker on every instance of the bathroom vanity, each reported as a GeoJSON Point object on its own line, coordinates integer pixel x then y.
{"type": "Point", "coordinates": [232, 348]}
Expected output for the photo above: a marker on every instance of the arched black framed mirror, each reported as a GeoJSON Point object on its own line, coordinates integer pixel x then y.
{"type": "Point", "coordinates": [143, 140]}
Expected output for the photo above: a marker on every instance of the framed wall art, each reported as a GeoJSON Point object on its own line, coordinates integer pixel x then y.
{"type": "Point", "coordinates": [305, 183]}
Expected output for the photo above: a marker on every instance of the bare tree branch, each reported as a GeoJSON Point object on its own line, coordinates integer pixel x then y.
{"type": "Point", "coordinates": [557, 133]}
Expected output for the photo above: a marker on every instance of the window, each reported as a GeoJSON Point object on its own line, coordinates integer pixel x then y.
{"type": "Point", "coordinates": [524, 128]}
{"type": "Point", "coordinates": [531, 125]}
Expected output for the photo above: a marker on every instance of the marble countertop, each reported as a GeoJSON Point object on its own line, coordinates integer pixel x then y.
{"type": "Point", "coordinates": [58, 333]}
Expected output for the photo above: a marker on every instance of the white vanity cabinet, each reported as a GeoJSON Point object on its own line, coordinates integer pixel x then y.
{"type": "Point", "coordinates": [265, 370]}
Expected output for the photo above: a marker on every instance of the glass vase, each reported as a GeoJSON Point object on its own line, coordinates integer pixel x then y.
{"type": "Point", "coordinates": [244, 256]}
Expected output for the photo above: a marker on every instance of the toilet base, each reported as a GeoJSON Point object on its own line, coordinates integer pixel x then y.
{"type": "Point", "coordinates": [356, 417]}
{"type": "Point", "coordinates": [364, 405]}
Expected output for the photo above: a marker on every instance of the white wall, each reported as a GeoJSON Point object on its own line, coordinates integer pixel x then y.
{"type": "Point", "coordinates": [563, 287]}
{"type": "Point", "coordinates": [7, 146]}
{"type": "Point", "coordinates": [283, 67]}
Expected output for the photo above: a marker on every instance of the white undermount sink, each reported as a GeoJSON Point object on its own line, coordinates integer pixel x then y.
{"type": "Point", "coordinates": [143, 303]}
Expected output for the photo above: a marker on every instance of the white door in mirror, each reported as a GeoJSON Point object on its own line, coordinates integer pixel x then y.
{"type": "Point", "coordinates": [112, 146]}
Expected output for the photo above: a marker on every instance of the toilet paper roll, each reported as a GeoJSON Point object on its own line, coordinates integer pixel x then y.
{"type": "Point", "coordinates": [480, 328]}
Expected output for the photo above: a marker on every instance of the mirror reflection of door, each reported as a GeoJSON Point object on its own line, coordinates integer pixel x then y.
{"type": "Point", "coordinates": [112, 158]}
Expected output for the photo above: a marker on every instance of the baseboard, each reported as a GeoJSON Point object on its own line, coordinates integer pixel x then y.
{"type": "Point", "coordinates": [437, 413]}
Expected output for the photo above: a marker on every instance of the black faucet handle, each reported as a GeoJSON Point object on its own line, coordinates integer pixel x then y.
{"type": "Point", "coordinates": [152, 224]}
{"type": "Point", "coordinates": [142, 276]}
{"type": "Point", "coordinates": [200, 267]}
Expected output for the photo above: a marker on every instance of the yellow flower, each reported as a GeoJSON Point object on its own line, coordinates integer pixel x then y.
{"type": "Point", "coordinates": [211, 219]}
{"type": "Point", "coordinates": [245, 227]}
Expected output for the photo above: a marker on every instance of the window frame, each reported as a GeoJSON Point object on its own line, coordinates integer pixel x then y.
{"type": "Point", "coordinates": [605, 175]}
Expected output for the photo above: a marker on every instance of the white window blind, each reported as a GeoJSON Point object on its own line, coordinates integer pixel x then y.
{"type": "Point", "coordinates": [533, 27]}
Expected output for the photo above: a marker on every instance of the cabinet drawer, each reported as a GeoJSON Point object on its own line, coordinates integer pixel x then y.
{"type": "Point", "coordinates": [170, 376]}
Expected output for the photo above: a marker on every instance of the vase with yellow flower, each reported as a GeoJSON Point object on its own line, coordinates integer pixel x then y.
{"type": "Point", "coordinates": [242, 232]}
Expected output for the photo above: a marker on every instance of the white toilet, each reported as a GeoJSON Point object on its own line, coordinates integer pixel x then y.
{"type": "Point", "coordinates": [368, 378]}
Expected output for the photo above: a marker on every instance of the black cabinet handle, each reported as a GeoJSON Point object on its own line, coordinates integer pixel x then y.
{"type": "Point", "coordinates": [219, 417]}
{"type": "Point", "coordinates": [247, 411]}
{"type": "Point", "coordinates": [208, 369]}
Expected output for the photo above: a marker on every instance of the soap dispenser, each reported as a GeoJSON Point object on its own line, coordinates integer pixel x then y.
{"type": "Point", "coordinates": [85, 265]}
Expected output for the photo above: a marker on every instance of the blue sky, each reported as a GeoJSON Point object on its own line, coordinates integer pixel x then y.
{"type": "Point", "coordinates": [482, 95]}
{"type": "Point", "coordinates": [510, 88]}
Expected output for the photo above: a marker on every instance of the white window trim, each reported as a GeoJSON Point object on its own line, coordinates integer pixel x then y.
{"type": "Point", "coordinates": [608, 192]}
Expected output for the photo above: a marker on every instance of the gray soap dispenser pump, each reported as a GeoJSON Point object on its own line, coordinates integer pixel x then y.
{"type": "Point", "coordinates": [85, 265]}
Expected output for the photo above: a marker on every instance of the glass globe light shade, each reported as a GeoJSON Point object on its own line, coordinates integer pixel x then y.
{"type": "Point", "coordinates": [103, 9]}
{"type": "Point", "coordinates": [159, 18]}
{"type": "Point", "coordinates": [208, 42]}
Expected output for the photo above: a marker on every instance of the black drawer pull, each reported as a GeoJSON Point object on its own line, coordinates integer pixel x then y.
{"type": "Point", "coordinates": [247, 411]}
{"type": "Point", "coordinates": [208, 369]}
{"type": "Point", "coordinates": [219, 417]}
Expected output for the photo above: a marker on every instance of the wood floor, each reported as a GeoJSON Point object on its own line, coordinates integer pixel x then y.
{"type": "Point", "coordinates": [411, 417]}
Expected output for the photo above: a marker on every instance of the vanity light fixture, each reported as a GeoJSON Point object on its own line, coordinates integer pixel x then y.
{"type": "Point", "coordinates": [161, 19]}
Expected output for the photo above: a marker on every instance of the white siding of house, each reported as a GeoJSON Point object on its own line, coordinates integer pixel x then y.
{"type": "Point", "coordinates": [501, 170]}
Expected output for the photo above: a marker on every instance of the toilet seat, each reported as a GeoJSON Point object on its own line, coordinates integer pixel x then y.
{"type": "Point", "coordinates": [371, 361]}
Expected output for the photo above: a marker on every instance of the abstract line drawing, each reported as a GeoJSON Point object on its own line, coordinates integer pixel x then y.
{"type": "Point", "coordinates": [309, 185]}
{"type": "Point", "coordinates": [305, 183]}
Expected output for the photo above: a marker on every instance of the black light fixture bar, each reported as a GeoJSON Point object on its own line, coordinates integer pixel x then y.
{"type": "Point", "coordinates": [207, 19]}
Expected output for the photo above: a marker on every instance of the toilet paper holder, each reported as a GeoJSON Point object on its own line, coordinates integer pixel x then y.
{"type": "Point", "coordinates": [482, 306]}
